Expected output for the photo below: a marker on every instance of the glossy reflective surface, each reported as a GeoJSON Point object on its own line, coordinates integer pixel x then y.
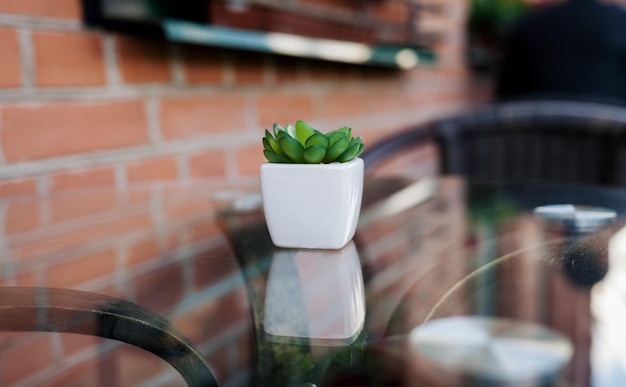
{"type": "Point", "coordinates": [425, 251]}
{"type": "Point", "coordinates": [315, 297]}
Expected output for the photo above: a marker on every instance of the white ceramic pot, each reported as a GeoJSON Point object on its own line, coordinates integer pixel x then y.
{"type": "Point", "coordinates": [313, 206]}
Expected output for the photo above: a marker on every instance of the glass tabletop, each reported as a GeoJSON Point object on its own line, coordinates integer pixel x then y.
{"type": "Point", "coordinates": [446, 283]}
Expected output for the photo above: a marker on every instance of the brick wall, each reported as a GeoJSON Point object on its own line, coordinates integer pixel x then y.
{"type": "Point", "coordinates": [83, 109]}
{"type": "Point", "coordinates": [125, 243]}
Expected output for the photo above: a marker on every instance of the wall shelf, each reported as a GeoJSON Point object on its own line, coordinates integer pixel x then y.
{"type": "Point", "coordinates": [262, 28]}
{"type": "Point", "coordinates": [395, 56]}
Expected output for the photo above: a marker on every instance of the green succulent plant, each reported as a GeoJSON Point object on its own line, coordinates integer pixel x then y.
{"type": "Point", "coordinates": [302, 144]}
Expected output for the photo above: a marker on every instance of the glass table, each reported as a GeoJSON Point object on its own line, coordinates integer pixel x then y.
{"type": "Point", "coordinates": [446, 283]}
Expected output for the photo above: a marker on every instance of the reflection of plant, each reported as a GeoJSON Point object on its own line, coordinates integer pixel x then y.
{"type": "Point", "coordinates": [304, 145]}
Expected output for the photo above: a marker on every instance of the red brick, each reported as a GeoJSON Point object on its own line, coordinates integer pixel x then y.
{"type": "Point", "coordinates": [64, 207]}
{"type": "Point", "coordinates": [143, 251]}
{"type": "Point", "coordinates": [17, 188]}
{"type": "Point", "coordinates": [63, 9]}
{"type": "Point", "coordinates": [134, 366]}
{"type": "Point", "coordinates": [138, 197]}
{"type": "Point", "coordinates": [82, 269]}
{"type": "Point", "coordinates": [143, 60]}
{"type": "Point", "coordinates": [68, 59]}
{"type": "Point", "coordinates": [249, 160]}
{"type": "Point", "coordinates": [391, 12]}
{"type": "Point", "coordinates": [152, 294]}
{"type": "Point", "coordinates": [283, 108]}
{"type": "Point", "coordinates": [73, 343]}
{"type": "Point", "coordinates": [11, 74]}
{"type": "Point", "coordinates": [343, 105]}
{"type": "Point", "coordinates": [26, 279]}
{"type": "Point", "coordinates": [87, 235]}
{"type": "Point", "coordinates": [203, 231]}
{"type": "Point", "coordinates": [98, 371]}
{"type": "Point", "coordinates": [25, 359]}
{"type": "Point", "coordinates": [22, 216]}
{"type": "Point", "coordinates": [216, 316]}
{"type": "Point", "coordinates": [12, 339]}
{"type": "Point", "coordinates": [187, 209]}
{"type": "Point", "coordinates": [208, 164]}
{"type": "Point", "coordinates": [203, 65]}
{"type": "Point", "coordinates": [332, 5]}
{"type": "Point", "coordinates": [35, 132]}
{"type": "Point", "coordinates": [196, 116]}
{"type": "Point", "coordinates": [153, 170]}
{"type": "Point", "coordinates": [100, 177]}
{"type": "Point", "coordinates": [214, 265]}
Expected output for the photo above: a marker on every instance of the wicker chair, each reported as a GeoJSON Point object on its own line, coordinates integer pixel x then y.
{"type": "Point", "coordinates": [524, 141]}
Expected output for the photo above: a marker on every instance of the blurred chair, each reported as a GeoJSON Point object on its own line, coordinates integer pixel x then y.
{"type": "Point", "coordinates": [24, 309]}
{"type": "Point", "coordinates": [523, 141]}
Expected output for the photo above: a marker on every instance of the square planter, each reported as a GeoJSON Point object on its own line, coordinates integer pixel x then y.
{"type": "Point", "coordinates": [313, 206]}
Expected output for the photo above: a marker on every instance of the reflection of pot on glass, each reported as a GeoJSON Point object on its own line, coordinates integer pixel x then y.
{"type": "Point", "coordinates": [315, 297]}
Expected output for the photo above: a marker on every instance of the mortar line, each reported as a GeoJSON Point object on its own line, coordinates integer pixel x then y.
{"type": "Point", "coordinates": [113, 76]}
{"type": "Point", "coordinates": [182, 166]}
{"type": "Point", "coordinates": [152, 109]}
{"type": "Point", "coordinates": [43, 191]}
{"type": "Point", "coordinates": [3, 159]}
{"type": "Point", "coordinates": [27, 57]}
{"type": "Point", "coordinates": [228, 73]}
{"type": "Point", "coordinates": [40, 23]}
{"type": "Point", "coordinates": [30, 168]}
{"type": "Point", "coordinates": [121, 181]}
{"type": "Point", "coordinates": [176, 65]}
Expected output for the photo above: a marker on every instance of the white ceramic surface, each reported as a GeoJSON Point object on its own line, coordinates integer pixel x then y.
{"type": "Point", "coordinates": [312, 206]}
{"type": "Point", "coordinates": [315, 297]}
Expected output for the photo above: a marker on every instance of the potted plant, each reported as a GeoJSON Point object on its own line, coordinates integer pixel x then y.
{"type": "Point", "coordinates": [311, 186]}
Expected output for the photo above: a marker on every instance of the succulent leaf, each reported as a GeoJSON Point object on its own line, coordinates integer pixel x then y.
{"type": "Point", "coordinates": [345, 130]}
{"type": "Point", "coordinates": [349, 153]}
{"type": "Point", "coordinates": [281, 134]}
{"type": "Point", "coordinates": [317, 139]}
{"type": "Point", "coordinates": [270, 141]}
{"type": "Point", "coordinates": [336, 150]}
{"type": "Point", "coordinates": [314, 154]}
{"type": "Point", "coordinates": [304, 144]}
{"type": "Point", "coordinates": [274, 158]}
{"type": "Point", "coordinates": [266, 144]}
{"type": "Point", "coordinates": [277, 128]}
{"type": "Point", "coordinates": [292, 148]}
{"type": "Point", "coordinates": [303, 131]}
{"type": "Point", "coordinates": [361, 147]}
{"type": "Point", "coordinates": [334, 137]}
{"type": "Point", "coordinates": [291, 130]}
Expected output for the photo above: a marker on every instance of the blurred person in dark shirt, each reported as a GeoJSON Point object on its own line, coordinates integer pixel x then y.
{"type": "Point", "coordinates": [575, 49]}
